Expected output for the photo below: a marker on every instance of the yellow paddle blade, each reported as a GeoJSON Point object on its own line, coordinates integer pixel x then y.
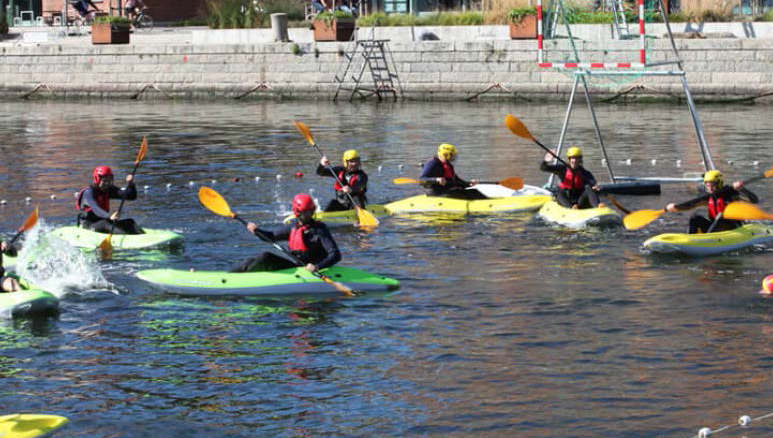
{"type": "Point", "coordinates": [366, 218]}
{"type": "Point", "coordinates": [768, 173]}
{"type": "Point", "coordinates": [214, 202]}
{"type": "Point", "coordinates": [32, 219]}
{"type": "Point", "coordinates": [305, 131]}
{"type": "Point", "coordinates": [513, 182]}
{"type": "Point", "coordinates": [517, 127]}
{"type": "Point", "coordinates": [106, 247]}
{"type": "Point", "coordinates": [744, 211]}
{"type": "Point", "coordinates": [406, 181]}
{"type": "Point", "coordinates": [143, 149]}
{"type": "Point", "coordinates": [641, 218]}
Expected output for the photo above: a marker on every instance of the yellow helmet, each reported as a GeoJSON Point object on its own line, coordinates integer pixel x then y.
{"type": "Point", "coordinates": [714, 176]}
{"type": "Point", "coordinates": [351, 154]}
{"type": "Point", "coordinates": [573, 152]}
{"type": "Point", "coordinates": [446, 151]}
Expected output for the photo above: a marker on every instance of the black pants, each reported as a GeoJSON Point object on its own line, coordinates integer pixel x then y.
{"type": "Point", "coordinates": [267, 261]}
{"type": "Point", "coordinates": [123, 226]}
{"type": "Point", "coordinates": [587, 199]}
{"type": "Point", "coordinates": [699, 223]}
{"type": "Point", "coordinates": [459, 193]}
{"type": "Point", "coordinates": [336, 205]}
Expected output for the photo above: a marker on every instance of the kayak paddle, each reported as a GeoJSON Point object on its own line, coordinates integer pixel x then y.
{"type": "Point", "coordinates": [618, 205]}
{"type": "Point", "coordinates": [364, 217]}
{"type": "Point", "coordinates": [106, 247]}
{"type": "Point", "coordinates": [215, 203]}
{"type": "Point", "coordinates": [641, 218]}
{"type": "Point", "coordinates": [518, 128]}
{"type": "Point", "coordinates": [30, 222]}
{"type": "Point", "coordinates": [745, 211]}
{"type": "Point", "coordinates": [513, 182]}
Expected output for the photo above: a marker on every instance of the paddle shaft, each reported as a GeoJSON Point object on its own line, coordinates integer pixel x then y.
{"type": "Point", "coordinates": [550, 152]}
{"type": "Point", "coordinates": [123, 200]}
{"type": "Point", "coordinates": [15, 237]}
{"type": "Point", "coordinates": [716, 221]}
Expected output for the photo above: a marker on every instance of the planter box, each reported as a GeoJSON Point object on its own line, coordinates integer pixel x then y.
{"type": "Point", "coordinates": [105, 33]}
{"type": "Point", "coordinates": [340, 29]}
{"type": "Point", "coordinates": [525, 29]}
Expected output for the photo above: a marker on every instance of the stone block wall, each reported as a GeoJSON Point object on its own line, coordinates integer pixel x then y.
{"type": "Point", "coordinates": [503, 69]}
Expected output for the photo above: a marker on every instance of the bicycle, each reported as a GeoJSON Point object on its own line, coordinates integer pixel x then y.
{"type": "Point", "coordinates": [142, 20]}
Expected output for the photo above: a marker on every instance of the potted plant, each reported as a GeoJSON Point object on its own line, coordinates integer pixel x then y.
{"type": "Point", "coordinates": [333, 26]}
{"type": "Point", "coordinates": [110, 30]}
{"type": "Point", "coordinates": [523, 23]}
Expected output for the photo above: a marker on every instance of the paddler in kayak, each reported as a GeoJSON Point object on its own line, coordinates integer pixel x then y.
{"type": "Point", "coordinates": [7, 284]}
{"type": "Point", "coordinates": [93, 203]}
{"type": "Point", "coordinates": [354, 179]}
{"type": "Point", "coordinates": [308, 240]}
{"type": "Point", "coordinates": [440, 179]}
{"type": "Point", "coordinates": [578, 188]}
{"type": "Point", "coordinates": [716, 198]}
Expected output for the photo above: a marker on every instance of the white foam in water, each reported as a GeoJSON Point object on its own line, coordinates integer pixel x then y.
{"type": "Point", "coordinates": [57, 266]}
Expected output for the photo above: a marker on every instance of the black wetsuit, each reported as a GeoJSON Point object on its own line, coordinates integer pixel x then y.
{"type": "Point", "coordinates": [322, 250]}
{"type": "Point", "coordinates": [358, 189]}
{"type": "Point", "coordinates": [95, 218]}
{"type": "Point", "coordinates": [584, 197]}
{"type": "Point", "coordinates": [727, 194]}
{"type": "Point", "coordinates": [455, 187]}
{"type": "Point", "coordinates": [13, 252]}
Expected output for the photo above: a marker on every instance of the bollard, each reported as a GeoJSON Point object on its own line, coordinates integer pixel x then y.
{"type": "Point", "coordinates": [279, 25]}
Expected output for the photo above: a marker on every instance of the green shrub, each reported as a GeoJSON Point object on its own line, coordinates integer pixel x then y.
{"type": "Point", "coordinates": [244, 14]}
{"type": "Point", "coordinates": [516, 15]}
{"type": "Point", "coordinates": [109, 19]}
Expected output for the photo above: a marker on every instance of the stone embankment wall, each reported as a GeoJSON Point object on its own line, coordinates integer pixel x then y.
{"type": "Point", "coordinates": [732, 68]}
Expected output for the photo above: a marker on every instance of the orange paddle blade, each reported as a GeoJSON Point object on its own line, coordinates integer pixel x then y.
{"type": "Point", "coordinates": [106, 247]}
{"type": "Point", "coordinates": [31, 220]}
{"type": "Point", "coordinates": [406, 181]}
{"type": "Point", "coordinates": [640, 218]}
{"type": "Point", "coordinates": [305, 131]}
{"type": "Point", "coordinates": [768, 173]}
{"type": "Point", "coordinates": [143, 149]}
{"type": "Point", "coordinates": [366, 219]}
{"type": "Point", "coordinates": [517, 127]}
{"type": "Point", "coordinates": [513, 182]}
{"type": "Point", "coordinates": [744, 211]}
{"type": "Point", "coordinates": [214, 202]}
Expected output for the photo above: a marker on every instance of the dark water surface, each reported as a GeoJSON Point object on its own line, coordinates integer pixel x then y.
{"type": "Point", "coordinates": [503, 327]}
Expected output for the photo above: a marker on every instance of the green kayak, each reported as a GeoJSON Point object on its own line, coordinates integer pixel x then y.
{"type": "Point", "coordinates": [30, 301]}
{"type": "Point", "coordinates": [83, 238]}
{"type": "Point", "coordinates": [283, 283]}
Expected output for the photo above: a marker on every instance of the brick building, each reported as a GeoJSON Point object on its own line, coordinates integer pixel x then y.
{"type": "Point", "coordinates": [161, 10]}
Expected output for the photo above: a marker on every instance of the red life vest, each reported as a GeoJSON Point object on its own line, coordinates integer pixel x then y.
{"type": "Point", "coordinates": [448, 170]}
{"type": "Point", "coordinates": [102, 198]}
{"type": "Point", "coordinates": [572, 180]}
{"type": "Point", "coordinates": [295, 243]}
{"type": "Point", "coordinates": [341, 175]}
{"type": "Point", "coordinates": [716, 205]}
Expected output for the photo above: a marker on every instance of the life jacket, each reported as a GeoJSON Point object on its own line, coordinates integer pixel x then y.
{"type": "Point", "coordinates": [341, 176]}
{"type": "Point", "coordinates": [295, 242]}
{"type": "Point", "coordinates": [716, 205]}
{"type": "Point", "coordinates": [448, 170]}
{"type": "Point", "coordinates": [573, 180]}
{"type": "Point", "coordinates": [102, 198]}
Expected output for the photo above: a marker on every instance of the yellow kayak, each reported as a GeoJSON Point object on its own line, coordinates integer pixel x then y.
{"type": "Point", "coordinates": [710, 243]}
{"type": "Point", "coordinates": [343, 217]}
{"type": "Point", "coordinates": [30, 425]}
{"type": "Point", "coordinates": [435, 204]}
{"type": "Point", "coordinates": [555, 213]}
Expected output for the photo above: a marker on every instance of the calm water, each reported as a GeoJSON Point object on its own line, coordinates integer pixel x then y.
{"type": "Point", "coordinates": [503, 327]}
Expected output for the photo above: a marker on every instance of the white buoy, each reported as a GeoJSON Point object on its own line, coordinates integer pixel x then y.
{"type": "Point", "coordinates": [756, 163]}
{"type": "Point", "coordinates": [729, 162]}
{"type": "Point", "coordinates": [75, 195]}
{"type": "Point", "coordinates": [379, 168]}
{"type": "Point", "coordinates": [168, 185]}
{"type": "Point", "coordinates": [27, 199]}
{"type": "Point", "coordinates": [704, 432]}
{"type": "Point", "coordinates": [191, 183]}
{"type": "Point", "coordinates": [3, 202]}
{"type": "Point", "coordinates": [678, 163]}
{"type": "Point", "coordinates": [257, 179]}
{"type": "Point", "coordinates": [214, 181]}
{"type": "Point", "coordinates": [145, 187]}
{"type": "Point", "coordinates": [278, 177]}
{"type": "Point", "coordinates": [400, 167]}
{"type": "Point", "coordinates": [744, 420]}
{"type": "Point", "coordinates": [628, 162]}
{"type": "Point", "coordinates": [654, 161]}
{"type": "Point", "coordinates": [53, 197]}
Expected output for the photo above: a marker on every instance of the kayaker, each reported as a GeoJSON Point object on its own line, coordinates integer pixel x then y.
{"type": "Point", "coordinates": [578, 188]}
{"type": "Point", "coordinates": [93, 203]}
{"type": "Point", "coordinates": [440, 179]}
{"type": "Point", "coordinates": [354, 179]}
{"type": "Point", "coordinates": [7, 284]}
{"type": "Point", "coordinates": [308, 240]}
{"type": "Point", "coordinates": [716, 198]}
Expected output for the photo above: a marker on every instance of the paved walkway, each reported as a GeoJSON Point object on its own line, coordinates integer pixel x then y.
{"type": "Point", "coordinates": [21, 36]}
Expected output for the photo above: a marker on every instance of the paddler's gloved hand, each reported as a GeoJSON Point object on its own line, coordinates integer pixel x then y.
{"type": "Point", "coordinates": [441, 181]}
{"type": "Point", "coordinates": [324, 161]}
{"type": "Point", "coordinates": [311, 267]}
{"type": "Point", "coordinates": [671, 208]}
{"type": "Point", "coordinates": [252, 227]}
{"type": "Point", "coordinates": [114, 216]}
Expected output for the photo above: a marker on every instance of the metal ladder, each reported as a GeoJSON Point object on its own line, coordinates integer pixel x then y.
{"type": "Point", "coordinates": [374, 55]}
{"type": "Point", "coordinates": [621, 24]}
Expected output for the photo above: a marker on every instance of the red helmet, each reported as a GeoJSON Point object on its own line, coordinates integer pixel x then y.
{"type": "Point", "coordinates": [303, 202]}
{"type": "Point", "coordinates": [101, 172]}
